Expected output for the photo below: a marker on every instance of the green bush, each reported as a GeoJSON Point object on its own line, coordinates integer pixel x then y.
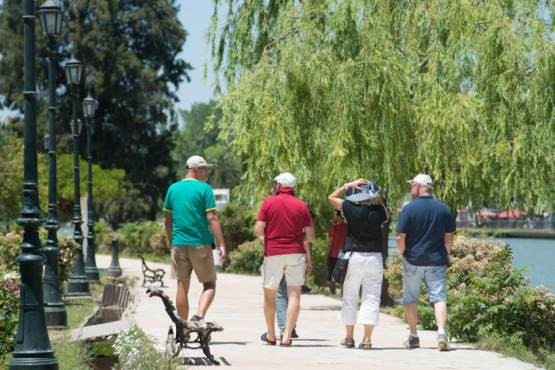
{"type": "Point", "coordinates": [137, 235]}
{"type": "Point", "coordinates": [319, 276]}
{"type": "Point", "coordinates": [247, 258]}
{"type": "Point", "coordinates": [100, 230]}
{"type": "Point", "coordinates": [237, 224]}
{"type": "Point", "coordinates": [159, 244]}
{"type": "Point", "coordinates": [9, 303]}
{"type": "Point", "coordinates": [485, 295]}
{"type": "Point", "coordinates": [107, 241]}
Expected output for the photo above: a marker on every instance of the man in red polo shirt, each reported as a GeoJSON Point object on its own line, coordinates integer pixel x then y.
{"type": "Point", "coordinates": [286, 225]}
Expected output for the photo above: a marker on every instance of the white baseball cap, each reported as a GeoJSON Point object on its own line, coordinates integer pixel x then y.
{"type": "Point", "coordinates": [286, 180]}
{"type": "Point", "coordinates": [422, 179]}
{"type": "Point", "coordinates": [196, 161]}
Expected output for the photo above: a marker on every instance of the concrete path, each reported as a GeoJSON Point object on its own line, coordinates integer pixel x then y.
{"type": "Point", "coordinates": [238, 308]}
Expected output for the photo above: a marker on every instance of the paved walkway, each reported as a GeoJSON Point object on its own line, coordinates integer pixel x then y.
{"type": "Point", "coordinates": [238, 308]}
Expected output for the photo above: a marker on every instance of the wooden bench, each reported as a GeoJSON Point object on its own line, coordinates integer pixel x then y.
{"type": "Point", "coordinates": [150, 275]}
{"type": "Point", "coordinates": [184, 329]}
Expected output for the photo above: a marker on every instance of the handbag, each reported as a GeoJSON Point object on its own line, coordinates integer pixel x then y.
{"type": "Point", "coordinates": [340, 270]}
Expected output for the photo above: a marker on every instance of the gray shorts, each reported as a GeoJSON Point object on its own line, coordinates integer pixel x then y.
{"type": "Point", "coordinates": [432, 276]}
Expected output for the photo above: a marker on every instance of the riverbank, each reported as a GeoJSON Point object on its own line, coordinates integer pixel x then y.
{"type": "Point", "coordinates": [507, 233]}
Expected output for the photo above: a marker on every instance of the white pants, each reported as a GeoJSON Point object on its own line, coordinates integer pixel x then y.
{"type": "Point", "coordinates": [365, 269]}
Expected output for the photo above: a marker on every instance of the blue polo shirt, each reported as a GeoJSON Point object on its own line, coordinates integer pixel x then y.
{"type": "Point", "coordinates": [425, 221]}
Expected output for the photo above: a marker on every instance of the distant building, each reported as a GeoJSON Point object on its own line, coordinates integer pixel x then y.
{"type": "Point", "coordinates": [222, 197]}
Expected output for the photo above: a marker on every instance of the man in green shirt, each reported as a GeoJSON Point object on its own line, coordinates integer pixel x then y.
{"type": "Point", "coordinates": [191, 226]}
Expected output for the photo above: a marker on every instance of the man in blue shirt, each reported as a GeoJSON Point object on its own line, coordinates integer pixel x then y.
{"type": "Point", "coordinates": [424, 238]}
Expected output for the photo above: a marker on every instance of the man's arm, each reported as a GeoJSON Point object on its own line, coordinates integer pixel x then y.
{"type": "Point", "coordinates": [401, 242]}
{"type": "Point", "coordinates": [308, 257]}
{"type": "Point", "coordinates": [169, 226]}
{"type": "Point", "coordinates": [216, 230]}
{"type": "Point", "coordinates": [449, 243]}
{"type": "Point", "coordinates": [259, 228]}
{"type": "Point", "coordinates": [308, 234]}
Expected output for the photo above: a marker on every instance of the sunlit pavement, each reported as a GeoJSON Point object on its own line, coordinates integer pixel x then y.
{"type": "Point", "coordinates": [238, 308]}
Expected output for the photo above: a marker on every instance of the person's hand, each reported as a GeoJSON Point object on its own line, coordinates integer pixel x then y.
{"type": "Point", "coordinates": [308, 267]}
{"type": "Point", "coordinates": [356, 184]}
{"type": "Point", "coordinates": [222, 254]}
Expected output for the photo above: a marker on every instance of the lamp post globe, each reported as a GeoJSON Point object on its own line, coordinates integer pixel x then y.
{"type": "Point", "coordinates": [50, 16]}
{"type": "Point", "coordinates": [32, 349]}
{"type": "Point", "coordinates": [91, 271]}
{"type": "Point", "coordinates": [78, 284]}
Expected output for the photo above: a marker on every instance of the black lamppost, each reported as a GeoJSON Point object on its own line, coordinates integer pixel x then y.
{"type": "Point", "coordinates": [78, 284]}
{"type": "Point", "coordinates": [32, 349]}
{"type": "Point", "coordinates": [50, 16]}
{"type": "Point", "coordinates": [89, 107]}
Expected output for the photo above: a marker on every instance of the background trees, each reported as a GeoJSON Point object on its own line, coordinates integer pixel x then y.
{"type": "Point", "coordinates": [199, 136]}
{"type": "Point", "coordinates": [129, 49]}
{"type": "Point", "coordinates": [333, 91]}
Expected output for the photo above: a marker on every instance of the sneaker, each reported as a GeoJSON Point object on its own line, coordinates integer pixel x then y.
{"type": "Point", "coordinates": [443, 343]}
{"type": "Point", "coordinates": [294, 334]}
{"type": "Point", "coordinates": [412, 342]}
{"type": "Point", "coordinates": [199, 321]}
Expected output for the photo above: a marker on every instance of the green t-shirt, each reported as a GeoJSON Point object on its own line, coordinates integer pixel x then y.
{"type": "Point", "coordinates": [188, 201]}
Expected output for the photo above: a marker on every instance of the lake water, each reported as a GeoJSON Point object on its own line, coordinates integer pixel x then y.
{"type": "Point", "coordinates": [537, 254]}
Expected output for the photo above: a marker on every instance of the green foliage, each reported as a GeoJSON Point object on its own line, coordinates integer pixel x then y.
{"type": "Point", "coordinates": [247, 258]}
{"type": "Point", "coordinates": [486, 296]}
{"type": "Point", "coordinates": [12, 174]}
{"type": "Point", "coordinates": [319, 276]}
{"type": "Point", "coordinates": [336, 90]}
{"type": "Point", "coordinates": [200, 137]}
{"type": "Point", "coordinates": [100, 230]}
{"type": "Point", "coordinates": [237, 224]}
{"type": "Point", "coordinates": [130, 53]}
{"type": "Point", "coordinates": [9, 304]}
{"type": "Point", "coordinates": [135, 351]}
{"type": "Point", "coordinates": [138, 237]}
{"type": "Point", "coordinates": [72, 355]}
{"type": "Point", "coordinates": [131, 207]}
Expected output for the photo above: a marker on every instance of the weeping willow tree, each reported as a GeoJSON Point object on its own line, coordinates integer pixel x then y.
{"type": "Point", "coordinates": [463, 90]}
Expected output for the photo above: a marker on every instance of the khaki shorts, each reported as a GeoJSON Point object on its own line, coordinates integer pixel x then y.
{"type": "Point", "coordinates": [198, 258]}
{"type": "Point", "coordinates": [292, 265]}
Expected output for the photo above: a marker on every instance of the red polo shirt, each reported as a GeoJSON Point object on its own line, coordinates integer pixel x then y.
{"type": "Point", "coordinates": [338, 233]}
{"type": "Point", "coordinates": [285, 217]}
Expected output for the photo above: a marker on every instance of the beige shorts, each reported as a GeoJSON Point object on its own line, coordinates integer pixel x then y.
{"type": "Point", "coordinates": [292, 265]}
{"type": "Point", "coordinates": [198, 258]}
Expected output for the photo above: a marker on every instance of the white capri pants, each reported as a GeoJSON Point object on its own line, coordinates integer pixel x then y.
{"type": "Point", "coordinates": [365, 269]}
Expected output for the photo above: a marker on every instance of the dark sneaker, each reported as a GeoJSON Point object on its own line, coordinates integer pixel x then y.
{"type": "Point", "coordinates": [443, 343]}
{"type": "Point", "coordinates": [294, 334]}
{"type": "Point", "coordinates": [412, 342]}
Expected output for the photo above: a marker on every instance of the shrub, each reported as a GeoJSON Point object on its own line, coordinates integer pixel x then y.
{"type": "Point", "coordinates": [159, 243]}
{"type": "Point", "coordinates": [237, 224]}
{"type": "Point", "coordinates": [9, 303]}
{"type": "Point", "coordinates": [247, 258]}
{"type": "Point", "coordinates": [135, 351]}
{"type": "Point", "coordinates": [107, 241]}
{"type": "Point", "coordinates": [319, 276]}
{"type": "Point", "coordinates": [100, 230]}
{"type": "Point", "coordinates": [138, 236]}
{"type": "Point", "coordinates": [487, 296]}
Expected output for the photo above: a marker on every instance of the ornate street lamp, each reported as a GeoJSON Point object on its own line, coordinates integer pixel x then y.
{"type": "Point", "coordinates": [50, 16]}
{"type": "Point", "coordinates": [89, 107]}
{"type": "Point", "coordinates": [32, 349]}
{"type": "Point", "coordinates": [78, 284]}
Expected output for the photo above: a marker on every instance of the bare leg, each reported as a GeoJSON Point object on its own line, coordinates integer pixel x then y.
{"type": "Point", "coordinates": [440, 310]}
{"type": "Point", "coordinates": [206, 298]}
{"type": "Point", "coordinates": [368, 329]}
{"type": "Point", "coordinates": [270, 312]}
{"type": "Point", "coordinates": [350, 331]}
{"type": "Point", "coordinates": [182, 299]}
{"type": "Point", "coordinates": [293, 308]}
{"type": "Point", "coordinates": [412, 316]}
